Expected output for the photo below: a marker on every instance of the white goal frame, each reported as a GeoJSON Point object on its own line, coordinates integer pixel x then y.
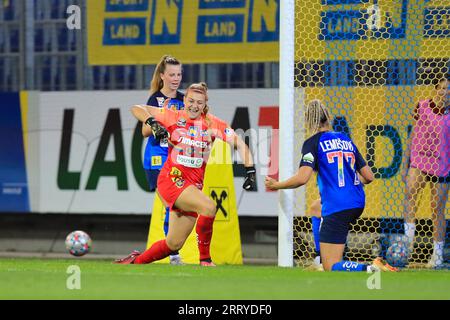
{"type": "Point", "coordinates": [286, 134]}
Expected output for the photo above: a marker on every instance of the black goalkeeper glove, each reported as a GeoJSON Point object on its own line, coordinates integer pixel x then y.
{"type": "Point", "coordinates": [250, 179]}
{"type": "Point", "coordinates": [159, 132]}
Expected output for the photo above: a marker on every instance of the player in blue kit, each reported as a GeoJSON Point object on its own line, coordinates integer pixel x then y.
{"type": "Point", "coordinates": [165, 83]}
{"type": "Point", "coordinates": [341, 172]}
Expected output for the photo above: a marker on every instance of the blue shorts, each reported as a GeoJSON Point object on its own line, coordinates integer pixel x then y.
{"type": "Point", "coordinates": [335, 227]}
{"type": "Point", "coordinates": [152, 178]}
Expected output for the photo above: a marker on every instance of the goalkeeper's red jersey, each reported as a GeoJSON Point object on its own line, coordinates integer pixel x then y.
{"type": "Point", "coordinates": [190, 145]}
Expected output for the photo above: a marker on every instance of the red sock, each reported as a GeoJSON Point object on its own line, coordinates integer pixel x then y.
{"type": "Point", "coordinates": [204, 231]}
{"type": "Point", "coordinates": [157, 251]}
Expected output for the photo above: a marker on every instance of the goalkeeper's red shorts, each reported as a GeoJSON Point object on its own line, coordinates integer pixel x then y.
{"type": "Point", "coordinates": [170, 188]}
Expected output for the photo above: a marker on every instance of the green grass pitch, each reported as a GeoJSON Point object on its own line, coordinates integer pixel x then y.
{"type": "Point", "coordinates": [47, 279]}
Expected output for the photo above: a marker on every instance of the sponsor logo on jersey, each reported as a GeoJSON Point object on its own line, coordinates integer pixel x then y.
{"type": "Point", "coordinates": [160, 101]}
{"type": "Point", "coordinates": [193, 143]}
{"type": "Point", "coordinates": [193, 132]}
{"type": "Point", "coordinates": [204, 133]}
{"type": "Point", "coordinates": [308, 158]}
{"type": "Point", "coordinates": [156, 160]}
{"type": "Point", "coordinates": [181, 122]}
{"type": "Point", "coordinates": [190, 162]}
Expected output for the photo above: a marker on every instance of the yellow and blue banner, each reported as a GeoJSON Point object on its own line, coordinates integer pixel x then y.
{"type": "Point", "coordinates": [194, 31]}
{"type": "Point", "coordinates": [372, 29]}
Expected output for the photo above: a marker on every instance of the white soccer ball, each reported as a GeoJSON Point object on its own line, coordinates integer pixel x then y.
{"type": "Point", "coordinates": [78, 243]}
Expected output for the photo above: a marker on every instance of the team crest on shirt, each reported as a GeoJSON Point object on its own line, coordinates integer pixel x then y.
{"type": "Point", "coordinates": [309, 158]}
{"type": "Point", "coordinates": [160, 101]}
{"type": "Point", "coordinates": [179, 182]}
{"type": "Point", "coordinates": [181, 122]}
{"type": "Point", "coordinates": [172, 106]}
{"type": "Point", "coordinates": [193, 131]}
{"type": "Point", "coordinates": [175, 172]}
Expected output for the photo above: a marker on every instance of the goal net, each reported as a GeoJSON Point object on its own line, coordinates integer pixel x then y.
{"type": "Point", "coordinates": [371, 62]}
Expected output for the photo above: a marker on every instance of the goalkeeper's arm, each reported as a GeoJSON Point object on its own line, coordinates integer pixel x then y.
{"type": "Point", "coordinates": [147, 114]}
{"type": "Point", "coordinates": [146, 131]}
{"type": "Point", "coordinates": [158, 131]}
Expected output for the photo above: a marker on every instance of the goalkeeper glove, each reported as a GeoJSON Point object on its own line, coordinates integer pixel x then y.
{"type": "Point", "coordinates": [159, 132]}
{"type": "Point", "coordinates": [250, 179]}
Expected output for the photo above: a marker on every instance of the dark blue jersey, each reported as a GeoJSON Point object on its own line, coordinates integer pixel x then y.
{"type": "Point", "coordinates": [336, 160]}
{"type": "Point", "coordinates": [156, 151]}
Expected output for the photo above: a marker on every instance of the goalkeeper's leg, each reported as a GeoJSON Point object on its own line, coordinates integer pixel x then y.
{"type": "Point", "coordinates": [181, 227]}
{"type": "Point", "coordinates": [194, 200]}
{"type": "Point", "coordinates": [175, 258]}
{"type": "Point", "coordinates": [152, 179]}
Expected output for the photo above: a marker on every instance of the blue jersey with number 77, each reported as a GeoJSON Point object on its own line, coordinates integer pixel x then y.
{"type": "Point", "coordinates": [336, 160]}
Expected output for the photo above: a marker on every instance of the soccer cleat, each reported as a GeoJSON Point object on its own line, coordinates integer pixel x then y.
{"type": "Point", "coordinates": [383, 265]}
{"type": "Point", "coordinates": [207, 264]}
{"type": "Point", "coordinates": [175, 260]}
{"type": "Point", "coordinates": [436, 261]}
{"type": "Point", "coordinates": [371, 268]}
{"type": "Point", "coordinates": [128, 259]}
{"type": "Point", "coordinates": [317, 265]}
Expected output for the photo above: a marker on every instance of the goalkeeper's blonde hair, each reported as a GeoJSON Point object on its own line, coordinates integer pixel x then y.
{"type": "Point", "coordinates": [316, 116]}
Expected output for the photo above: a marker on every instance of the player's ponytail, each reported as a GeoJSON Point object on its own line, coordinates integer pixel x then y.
{"type": "Point", "coordinates": [316, 116]}
{"type": "Point", "coordinates": [157, 83]}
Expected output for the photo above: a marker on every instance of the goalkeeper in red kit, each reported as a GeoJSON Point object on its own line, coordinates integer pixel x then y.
{"type": "Point", "coordinates": [192, 132]}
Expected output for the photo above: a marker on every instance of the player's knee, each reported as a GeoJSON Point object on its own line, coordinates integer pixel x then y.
{"type": "Point", "coordinates": [209, 208]}
{"type": "Point", "coordinates": [175, 244]}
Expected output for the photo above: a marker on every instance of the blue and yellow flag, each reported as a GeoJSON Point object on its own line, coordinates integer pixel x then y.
{"type": "Point", "coordinates": [194, 31]}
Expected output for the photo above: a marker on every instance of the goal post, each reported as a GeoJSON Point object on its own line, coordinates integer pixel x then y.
{"type": "Point", "coordinates": [371, 63]}
{"type": "Point", "coordinates": [286, 136]}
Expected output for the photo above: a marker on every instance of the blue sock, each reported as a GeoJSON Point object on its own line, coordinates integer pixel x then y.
{"type": "Point", "coordinates": [316, 231]}
{"type": "Point", "coordinates": [346, 265]}
{"type": "Point", "coordinates": [166, 221]}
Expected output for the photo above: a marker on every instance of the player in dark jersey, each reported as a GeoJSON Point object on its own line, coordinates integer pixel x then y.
{"type": "Point", "coordinates": [165, 83]}
{"type": "Point", "coordinates": [341, 171]}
